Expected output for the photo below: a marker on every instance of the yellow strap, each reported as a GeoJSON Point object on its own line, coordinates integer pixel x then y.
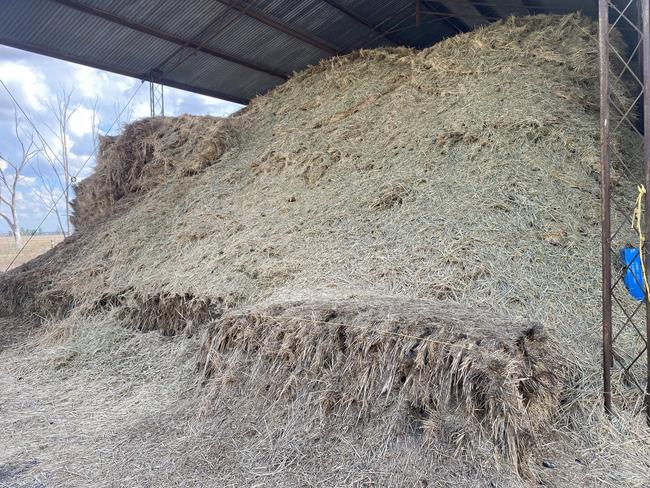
{"type": "Point", "coordinates": [636, 225]}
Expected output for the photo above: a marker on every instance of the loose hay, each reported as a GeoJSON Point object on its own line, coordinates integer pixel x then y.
{"type": "Point", "coordinates": [466, 172]}
{"type": "Point", "coordinates": [468, 373]}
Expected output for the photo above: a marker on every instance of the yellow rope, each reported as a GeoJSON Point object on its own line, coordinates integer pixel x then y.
{"type": "Point", "coordinates": [636, 225]}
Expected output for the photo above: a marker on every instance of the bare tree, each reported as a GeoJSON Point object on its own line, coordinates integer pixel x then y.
{"type": "Point", "coordinates": [62, 111]}
{"type": "Point", "coordinates": [49, 190]}
{"type": "Point", "coordinates": [53, 166]}
{"type": "Point", "coordinates": [10, 174]}
{"type": "Point", "coordinates": [58, 160]}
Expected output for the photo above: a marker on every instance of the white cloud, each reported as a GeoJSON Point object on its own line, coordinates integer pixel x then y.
{"type": "Point", "coordinates": [80, 162]}
{"type": "Point", "coordinates": [81, 121]}
{"type": "Point", "coordinates": [93, 83]}
{"type": "Point", "coordinates": [85, 172]}
{"type": "Point", "coordinates": [141, 110]}
{"type": "Point", "coordinates": [220, 108]}
{"type": "Point", "coordinates": [52, 146]}
{"type": "Point", "coordinates": [9, 178]}
{"type": "Point", "coordinates": [3, 164]}
{"type": "Point", "coordinates": [29, 82]}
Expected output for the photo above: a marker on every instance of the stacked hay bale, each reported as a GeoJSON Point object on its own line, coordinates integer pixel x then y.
{"type": "Point", "coordinates": [148, 153]}
{"type": "Point", "coordinates": [466, 172]}
{"type": "Point", "coordinates": [475, 377]}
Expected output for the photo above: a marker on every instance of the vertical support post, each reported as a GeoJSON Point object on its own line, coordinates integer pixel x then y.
{"type": "Point", "coordinates": [645, 16]}
{"type": "Point", "coordinates": [156, 98]}
{"type": "Point", "coordinates": [152, 103]}
{"type": "Point", "coordinates": [605, 188]}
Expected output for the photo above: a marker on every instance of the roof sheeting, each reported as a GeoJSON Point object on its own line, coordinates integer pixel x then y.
{"type": "Point", "coordinates": [237, 49]}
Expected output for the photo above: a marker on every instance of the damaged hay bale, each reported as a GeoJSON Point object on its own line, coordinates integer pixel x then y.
{"type": "Point", "coordinates": [473, 376]}
{"type": "Point", "coordinates": [146, 154]}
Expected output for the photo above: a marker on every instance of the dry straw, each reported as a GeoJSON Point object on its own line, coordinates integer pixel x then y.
{"type": "Point", "coordinates": [465, 173]}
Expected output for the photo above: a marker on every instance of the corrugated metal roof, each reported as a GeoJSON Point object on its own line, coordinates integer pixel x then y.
{"type": "Point", "coordinates": [237, 49]}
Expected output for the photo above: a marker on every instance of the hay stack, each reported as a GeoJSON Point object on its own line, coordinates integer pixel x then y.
{"type": "Point", "coordinates": [466, 172]}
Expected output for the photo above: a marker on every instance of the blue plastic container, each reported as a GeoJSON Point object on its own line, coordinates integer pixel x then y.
{"type": "Point", "coordinates": [633, 278]}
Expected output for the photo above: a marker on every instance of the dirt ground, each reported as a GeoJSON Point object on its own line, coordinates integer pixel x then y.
{"type": "Point", "coordinates": [37, 245]}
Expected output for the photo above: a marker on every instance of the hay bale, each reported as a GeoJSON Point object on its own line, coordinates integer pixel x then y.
{"type": "Point", "coordinates": [145, 155]}
{"type": "Point", "coordinates": [467, 373]}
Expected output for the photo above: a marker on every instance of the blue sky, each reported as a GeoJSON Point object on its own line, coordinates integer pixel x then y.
{"type": "Point", "coordinates": [35, 81]}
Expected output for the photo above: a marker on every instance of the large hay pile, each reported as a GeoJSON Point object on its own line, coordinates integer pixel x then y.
{"type": "Point", "coordinates": [466, 172]}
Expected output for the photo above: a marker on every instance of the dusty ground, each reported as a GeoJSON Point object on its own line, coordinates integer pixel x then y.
{"type": "Point", "coordinates": [37, 245]}
{"type": "Point", "coordinates": [72, 411]}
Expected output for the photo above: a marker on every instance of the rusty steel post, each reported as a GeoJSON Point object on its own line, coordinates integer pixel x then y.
{"type": "Point", "coordinates": [605, 187]}
{"type": "Point", "coordinates": [645, 15]}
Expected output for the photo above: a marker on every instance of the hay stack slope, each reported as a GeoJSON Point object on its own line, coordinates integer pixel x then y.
{"type": "Point", "coordinates": [464, 173]}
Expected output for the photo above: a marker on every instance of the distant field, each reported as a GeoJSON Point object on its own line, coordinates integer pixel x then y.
{"type": "Point", "coordinates": [38, 245]}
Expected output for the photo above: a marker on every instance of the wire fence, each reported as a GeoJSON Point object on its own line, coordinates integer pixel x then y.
{"type": "Point", "coordinates": [625, 321]}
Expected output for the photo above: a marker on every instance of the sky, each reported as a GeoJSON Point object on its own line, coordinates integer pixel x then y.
{"type": "Point", "coordinates": [35, 81]}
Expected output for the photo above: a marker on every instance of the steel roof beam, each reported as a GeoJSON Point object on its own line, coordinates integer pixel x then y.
{"type": "Point", "coordinates": [506, 9]}
{"type": "Point", "coordinates": [361, 20]}
{"type": "Point", "coordinates": [453, 21]}
{"type": "Point", "coordinates": [466, 11]}
{"type": "Point", "coordinates": [533, 6]}
{"type": "Point", "coordinates": [73, 4]}
{"type": "Point", "coordinates": [280, 26]}
{"type": "Point", "coordinates": [486, 10]}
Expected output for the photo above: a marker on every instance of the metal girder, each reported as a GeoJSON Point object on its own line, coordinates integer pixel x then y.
{"type": "Point", "coordinates": [455, 22]}
{"type": "Point", "coordinates": [511, 7]}
{"type": "Point", "coordinates": [124, 22]}
{"type": "Point", "coordinates": [534, 6]}
{"type": "Point", "coordinates": [280, 26]}
{"type": "Point", "coordinates": [342, 8]}
{"type": "Point", "coordinates": [486, 10]}
{"type": "Point", "coordinates": [156, 98]}
{"type": "Point", "coordinates": [467, 12]}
